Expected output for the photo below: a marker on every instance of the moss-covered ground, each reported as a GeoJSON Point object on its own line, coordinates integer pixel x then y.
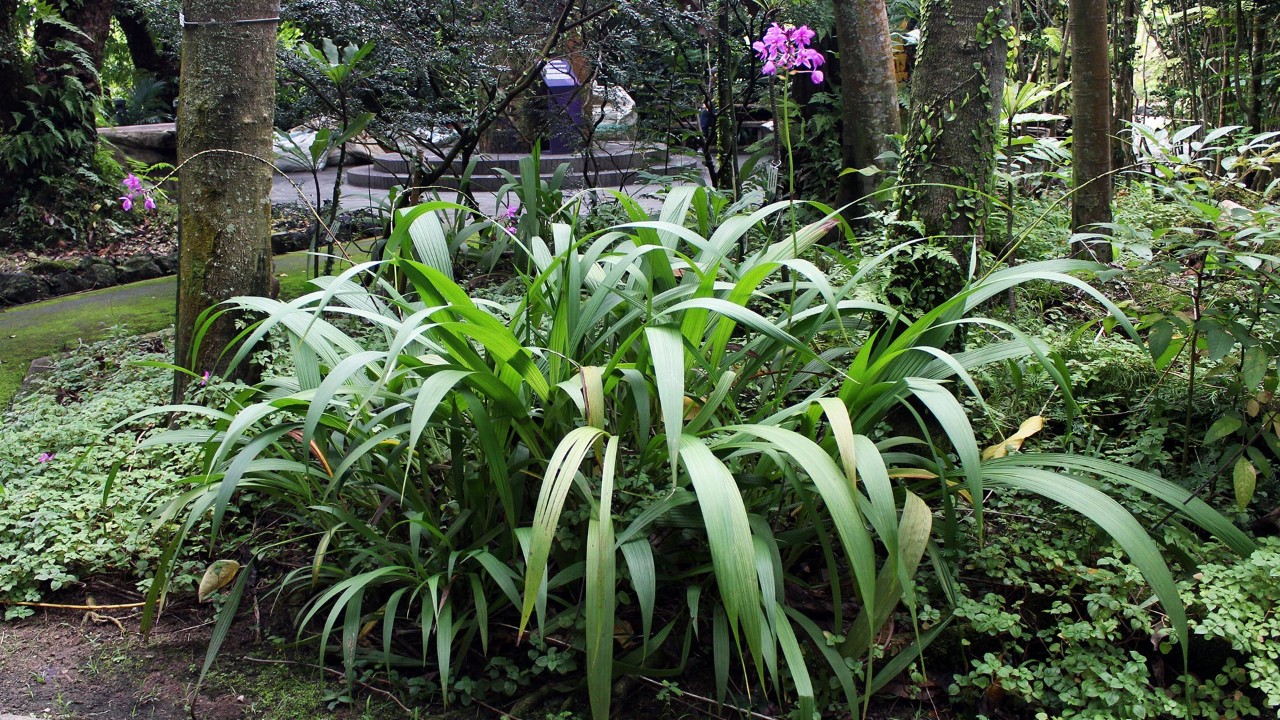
{"type": "Point", "coordinates": [40, 329]}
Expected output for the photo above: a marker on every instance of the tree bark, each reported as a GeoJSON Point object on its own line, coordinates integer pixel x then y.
{"type": "Point", "coordinates": [869, 94]}
{"type": "Point", "coordinates": [93, 18]}
{"type": "Point", "coordinates": [948, 158]}
{"type": "Point", "coordinates": [726, 112]}
{"type": "Point", "coordinates": [225, 112]}
{"type": "Point", "coordinates": [1091, 129]}
{"type": "Point", "coordinates": [1125, 33]}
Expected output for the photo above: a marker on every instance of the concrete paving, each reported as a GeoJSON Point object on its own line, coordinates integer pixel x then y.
{"type": "Point", "coordinates": [301, 187]}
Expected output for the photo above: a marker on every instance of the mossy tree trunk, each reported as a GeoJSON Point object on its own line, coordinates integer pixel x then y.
{"type": "Point", "coordinates": [49, 89]}
{"type": "Point", "coordinates": [1257, 69]}
{"type": "Point", "coordinates": [869, 92]}
{"type": "Point", "coordinates": [226, 107]}
{"type": "Point", "coordinates": [948, 158]}
{"type": "Point", "coordinates": [1091, 129]}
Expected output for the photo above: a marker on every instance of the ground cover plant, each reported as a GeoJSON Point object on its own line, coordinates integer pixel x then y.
{"type": "Point", "coordinates": [76, 493]}
{"type": "Point", "coordinates": [678, 441]}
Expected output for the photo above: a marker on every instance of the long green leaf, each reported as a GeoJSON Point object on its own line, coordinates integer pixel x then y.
{"type": "Point", "coordinates": [561, 469]}
{"type": "Point", "coordinates": [601, 591]}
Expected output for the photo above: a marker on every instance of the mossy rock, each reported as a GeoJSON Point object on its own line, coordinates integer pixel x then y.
{"type": "Point", "coordinates": [1237, 194]}
{"type": "Point", "coordinates": [52, 267]}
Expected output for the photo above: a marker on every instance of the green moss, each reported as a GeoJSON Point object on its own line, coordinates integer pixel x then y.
{"type": "Point", "coordinates": [45, 328]}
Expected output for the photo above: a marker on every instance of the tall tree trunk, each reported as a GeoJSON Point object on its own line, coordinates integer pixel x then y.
{"type": "Point", "coordinates": [225, 112]}
{"type": "Point", "coordinates": [949, 156]}
{"type": "Point", "coordinates": [1125, 33]}
{"type": "Point", "coordinates": [869, 93]}
{"type": "Point", "coordinates": [1091, 129]}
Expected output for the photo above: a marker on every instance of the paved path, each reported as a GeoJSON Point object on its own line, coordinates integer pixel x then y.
{"type": "Point", "coordinates": [301, 187]}
{"type": "Point", "coordinates": [112, 304]}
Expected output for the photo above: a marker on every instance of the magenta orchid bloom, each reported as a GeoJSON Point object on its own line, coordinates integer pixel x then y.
{"type": "Point", "coordinates": [785, 50]}
{"type": "Point", "coordinates": [204, 379]}
{"type": "Point", "coordinates": [134, 187]}
{"type": "Point", "coordinates": [509, 215]}
{"type": "Point", "coordinates": [45, 457]}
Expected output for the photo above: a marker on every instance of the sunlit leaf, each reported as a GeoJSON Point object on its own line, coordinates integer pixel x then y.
{"type": "Point", "coordinates": [1013, 443]}
{"type": "Point", "coordinates": [216, 577]}
{"type": "Point", "coordinates": [1244, 478]}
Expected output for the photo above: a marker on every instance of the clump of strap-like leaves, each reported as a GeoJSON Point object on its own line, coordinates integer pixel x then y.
{"type": "Point", "coordinates": [665, 414]}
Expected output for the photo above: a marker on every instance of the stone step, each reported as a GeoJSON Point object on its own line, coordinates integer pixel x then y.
{"type": "Point", "coordinates": [489, 164]}
{"type": "Point", "coordinates": [372, 177]}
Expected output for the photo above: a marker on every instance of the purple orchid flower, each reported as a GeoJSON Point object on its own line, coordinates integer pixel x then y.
{"type": "Point", "coordinates": [134, 187]}
{"type": "Point", "coordinates": [785, 50]}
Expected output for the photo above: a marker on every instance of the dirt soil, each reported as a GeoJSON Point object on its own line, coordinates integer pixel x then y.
{"type": "Point", "coordinates": [70, 664]}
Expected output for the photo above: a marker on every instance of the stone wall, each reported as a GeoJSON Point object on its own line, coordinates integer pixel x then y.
{"type": "Point", "coordinates": [52, 278]}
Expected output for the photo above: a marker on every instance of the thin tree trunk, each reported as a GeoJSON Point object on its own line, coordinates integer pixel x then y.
{"type": "Point", "coordinates": [949, 155]}
{"type": "Point", "coordinates": [1055, 101]}
{"type": "Point", "coordinates": [225, 113]}
{"type": "Point", "coordinates": [1238, 58]}
{"type": "Point", "coordinates": [869, 94]}
{"type": "Point", "coordinates": [725, 111]}
{"type": "Point", "coordinates": [1126, 34]}
{"type": "Point", "coordinates": [1257, 55]}
{"type": "Point", "coordinates": [1091, 131]}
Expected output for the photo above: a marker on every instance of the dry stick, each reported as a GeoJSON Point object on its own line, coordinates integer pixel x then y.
{"type": "Point", "coordinates": [491, 708]}
{"type": "Point", "coordinates": [389, 695]}
{"type": "Point", "coordinates": [59, 606]}
{"type": "Point", "coordinates": [695, 696]}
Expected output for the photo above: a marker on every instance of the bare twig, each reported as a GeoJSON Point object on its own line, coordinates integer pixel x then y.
{"type": "Point", "coordinates": [59, 606]}
{"type": "Point", "coordinates": [491, 708]}
{"type": "Point", "coordinates": [695, 696]}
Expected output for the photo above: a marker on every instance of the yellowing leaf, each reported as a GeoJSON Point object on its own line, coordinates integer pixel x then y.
{"type": "Point", "coordinates": [913, 474]}
{"type": "Point", "coordinates": [1245, 480]}
{"type": "Point", "coordinates": [1029, 427]}
{"type": "Point", "coordinates": [962, 492]}
{"type": "Point", "coordinates": [216, 577]}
